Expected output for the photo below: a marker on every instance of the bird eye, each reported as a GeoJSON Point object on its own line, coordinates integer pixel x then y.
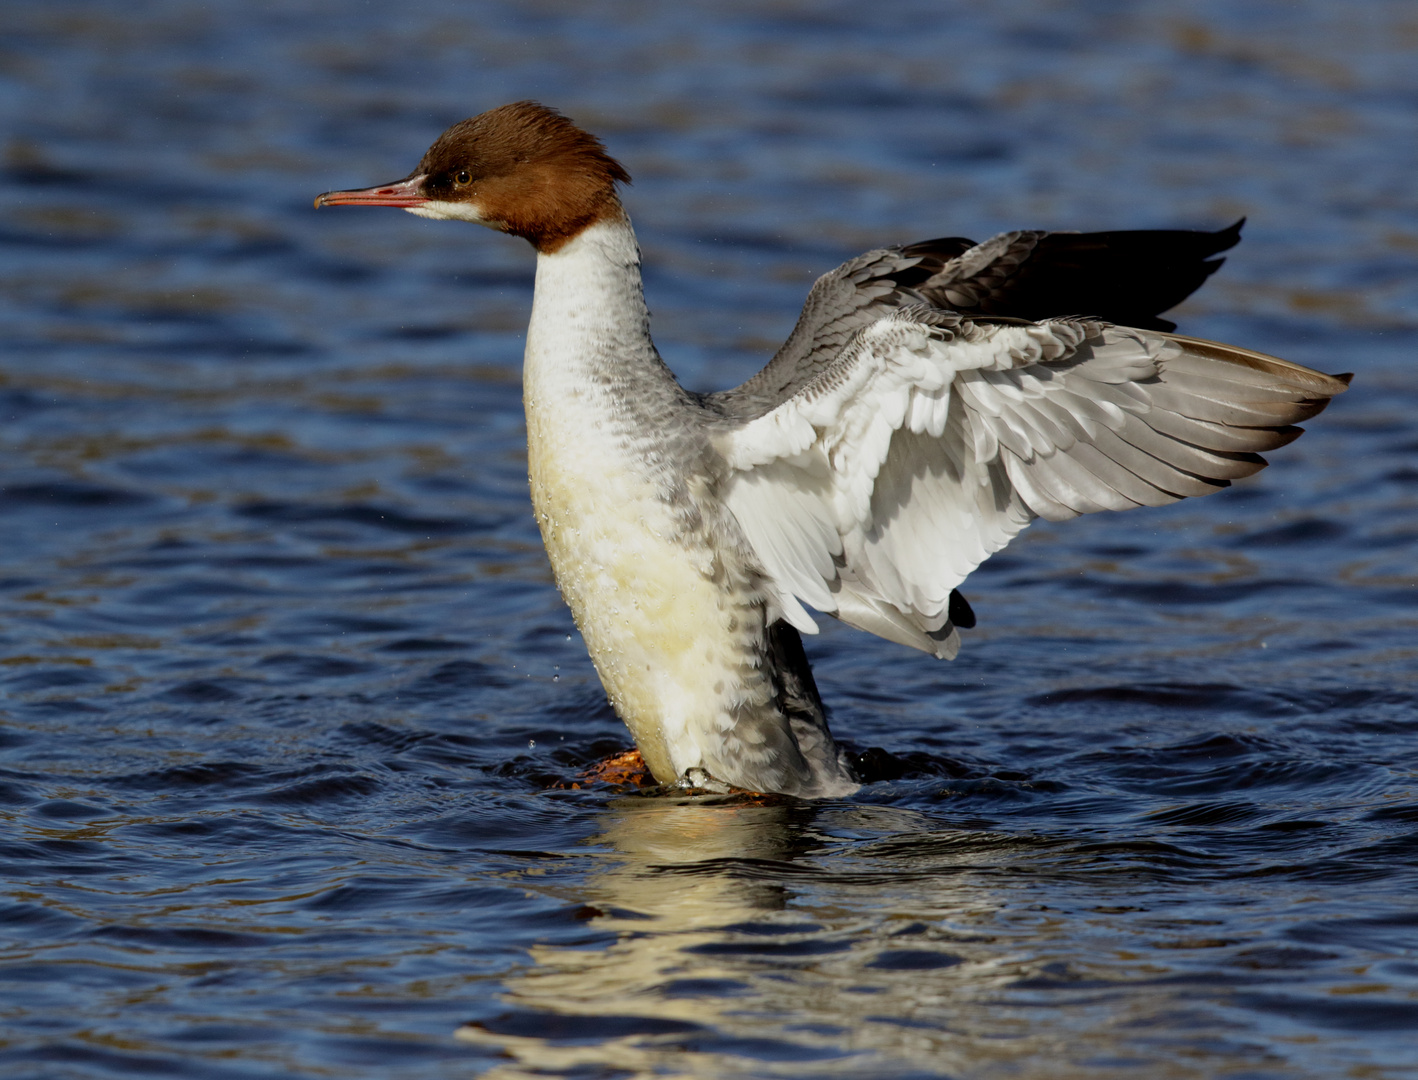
{"type": "Point", "coordinates": [463, 177]}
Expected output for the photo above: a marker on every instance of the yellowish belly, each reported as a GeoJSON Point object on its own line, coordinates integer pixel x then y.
{"type": "Point", "coordinates": [668, 642]}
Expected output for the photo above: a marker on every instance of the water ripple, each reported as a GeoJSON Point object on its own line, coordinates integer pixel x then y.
{"type": "Point", "coordinates": [294, 719]}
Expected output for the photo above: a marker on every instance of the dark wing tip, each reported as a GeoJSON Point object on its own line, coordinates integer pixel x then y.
{"type": "Point", "coordinates": [1128, 277]}
{"type": "Point", "coordinates": [1231, 235]}
{"type": "Point", "coordinates": [960, 612]}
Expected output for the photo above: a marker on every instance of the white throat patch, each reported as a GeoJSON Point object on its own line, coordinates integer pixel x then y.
{"type": "Point", "coordinates": [440, 210]}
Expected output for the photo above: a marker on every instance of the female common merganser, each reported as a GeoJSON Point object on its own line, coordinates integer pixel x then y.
{"type": "Point", "coordinates": [931, 402]}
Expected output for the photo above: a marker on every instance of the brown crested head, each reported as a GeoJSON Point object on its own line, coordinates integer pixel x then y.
{"type": "Point", "coordinates": [528, 170]}
{"type": "Point", "coordinates": [521, 168]}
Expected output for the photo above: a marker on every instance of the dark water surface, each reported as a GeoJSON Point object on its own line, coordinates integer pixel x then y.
{"type": "Point", "coordinates": [287, 685]}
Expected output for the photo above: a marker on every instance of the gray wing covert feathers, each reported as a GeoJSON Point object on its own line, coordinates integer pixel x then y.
{"type": "Point", "coordinates": [929, 440]}
{"type": "Point", "coordinates": [1126, 277]}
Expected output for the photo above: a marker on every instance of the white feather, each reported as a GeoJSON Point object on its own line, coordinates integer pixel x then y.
{"type": "Point", "coordinates": [930, 442]}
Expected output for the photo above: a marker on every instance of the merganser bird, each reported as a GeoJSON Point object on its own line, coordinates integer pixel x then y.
{"type": "Point", "coordinates": [931, 402]}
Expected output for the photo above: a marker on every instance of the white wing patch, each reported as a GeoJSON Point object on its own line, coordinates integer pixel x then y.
{"type": "Point", "coordinates": [931, 441]}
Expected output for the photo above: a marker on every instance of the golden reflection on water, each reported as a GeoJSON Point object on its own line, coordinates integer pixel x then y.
{"type": "Point", "coordinates": [735, 953]}
{"type": "Point", "coordinates": [672, 879]}
{"type": "Point", "coordinates": [723, 925]}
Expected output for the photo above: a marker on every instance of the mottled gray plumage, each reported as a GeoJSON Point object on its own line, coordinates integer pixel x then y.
{"type": "Point", "coordinates": [895, 442]}
{"type": "Point", "coordinates": [1127, 277]}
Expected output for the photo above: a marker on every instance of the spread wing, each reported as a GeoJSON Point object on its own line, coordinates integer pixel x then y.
{"type": "Point", "coordinates": [1126, 277]}
{"type": "Point", "coordinates": [930, 440]}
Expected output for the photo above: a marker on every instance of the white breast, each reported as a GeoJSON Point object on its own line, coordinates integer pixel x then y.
{"type": "Point", "coordinates": [668, 626]}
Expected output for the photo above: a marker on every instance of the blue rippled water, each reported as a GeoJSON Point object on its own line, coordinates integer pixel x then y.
{"type": "Point", "coordinates": [290, 703]}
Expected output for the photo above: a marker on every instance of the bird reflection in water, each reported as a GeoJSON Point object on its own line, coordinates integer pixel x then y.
{"type": "Point", "coordinates": [715, 945]}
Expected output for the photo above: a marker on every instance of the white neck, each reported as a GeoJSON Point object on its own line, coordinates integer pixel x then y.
{"type": "Point", "coordinates": [593, 385]}
{"type": "Point", "coordinates": [588, 314]}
